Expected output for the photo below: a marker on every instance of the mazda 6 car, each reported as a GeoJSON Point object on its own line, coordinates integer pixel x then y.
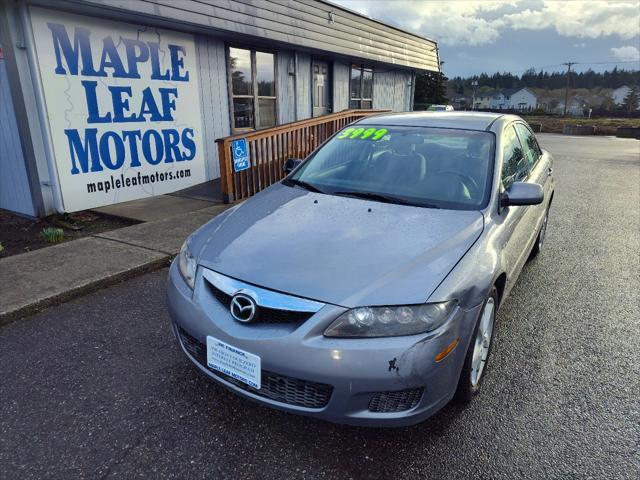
{"type": "Point", "coordinates": [363, 287]}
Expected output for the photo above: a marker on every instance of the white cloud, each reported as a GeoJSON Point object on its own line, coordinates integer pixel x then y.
{"type": "Point", "coordinates": [448, 22]}
{"type": "Point", "coordinates": [581, 19]}
{"type": "Point", "coordinates": [580, 45]}
{"type": "Point", "coordinates": [480, 22]}
{"type": "Point", "coordinates": [628, 53]}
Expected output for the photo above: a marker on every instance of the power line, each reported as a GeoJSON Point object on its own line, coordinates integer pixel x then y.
{"type": "Point", "coordinates": [603, 63]}
{"type": "Point", "coordinates": [583, 63]}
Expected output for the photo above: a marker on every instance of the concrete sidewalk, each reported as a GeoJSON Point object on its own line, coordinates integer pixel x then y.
{"type": "Point", "coordinates": [33, 280]}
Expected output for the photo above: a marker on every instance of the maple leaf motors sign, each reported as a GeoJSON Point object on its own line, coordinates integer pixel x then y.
{"type": "Point", "coordinates": [123, 108]}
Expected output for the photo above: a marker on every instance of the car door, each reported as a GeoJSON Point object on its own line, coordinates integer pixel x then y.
{"type": "Point", "coordinates": [539, 172]}
{"type": "Point", "coordinates": [515, 235]}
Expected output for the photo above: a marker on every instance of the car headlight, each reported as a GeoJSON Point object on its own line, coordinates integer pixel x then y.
{"type": "Point", "coordinates": [391, 321]}
{"type": "Point", "coordinates": [187, 265]}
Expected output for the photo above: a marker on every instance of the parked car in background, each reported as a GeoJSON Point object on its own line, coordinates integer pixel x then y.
{"type": "Point", "coordinates": [440, 108]}
{"type": "Point", "coordinates": [363, 288]}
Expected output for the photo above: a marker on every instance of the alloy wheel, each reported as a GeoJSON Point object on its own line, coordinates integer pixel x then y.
{"type": "Point", "coordinates": [482, 341]}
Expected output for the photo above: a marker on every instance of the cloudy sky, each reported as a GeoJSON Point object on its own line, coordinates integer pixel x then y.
{"type": "Point", "coordinates": [477, 36]}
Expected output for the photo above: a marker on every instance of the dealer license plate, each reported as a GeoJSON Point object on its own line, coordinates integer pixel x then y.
{"type": "Point", "coordinates": [232, 361]}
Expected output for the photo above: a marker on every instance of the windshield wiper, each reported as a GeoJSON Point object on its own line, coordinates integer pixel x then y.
{"type": "Point", "coordinates": [379, 197]}
{"type": "Point", "coordinates": [306, 185]}
{"type": "Point", "coordinates": [373, 196]}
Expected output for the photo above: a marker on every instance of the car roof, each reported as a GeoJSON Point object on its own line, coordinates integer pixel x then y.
{"type": "Point", "coordinates": [450, 119]}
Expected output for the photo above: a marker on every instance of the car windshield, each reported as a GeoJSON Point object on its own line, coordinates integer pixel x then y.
{"type": "Point", "coordinates": [428, 167]}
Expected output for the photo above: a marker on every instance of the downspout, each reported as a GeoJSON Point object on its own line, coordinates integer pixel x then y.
{"type": "Point", "coordinates": [53, 182]}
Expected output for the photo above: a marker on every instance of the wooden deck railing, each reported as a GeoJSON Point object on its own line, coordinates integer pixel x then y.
{"type": "Point", "coordinates": [268, 149]}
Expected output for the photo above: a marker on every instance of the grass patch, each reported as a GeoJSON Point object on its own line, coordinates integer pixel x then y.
{"type": "Point", "coordinates": [52, 234]}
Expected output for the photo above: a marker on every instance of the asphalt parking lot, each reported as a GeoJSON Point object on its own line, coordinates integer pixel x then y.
{"type": "Point", "coordinates": [98, 387]}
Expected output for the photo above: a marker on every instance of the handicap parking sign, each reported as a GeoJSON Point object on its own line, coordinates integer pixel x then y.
{"type": "Point", "coordinates": [240, 151]}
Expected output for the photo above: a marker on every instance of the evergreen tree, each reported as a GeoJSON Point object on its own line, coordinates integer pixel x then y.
{"type": "Point", "coordinates": [549, 80]}
{"type": "Point", "coordinates": [630, 102]}
{"type": "Point", "coordinates": [431, 88]}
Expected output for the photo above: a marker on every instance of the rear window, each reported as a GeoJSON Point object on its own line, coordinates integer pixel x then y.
{"type": "Point", "coordinates": [433, 167]}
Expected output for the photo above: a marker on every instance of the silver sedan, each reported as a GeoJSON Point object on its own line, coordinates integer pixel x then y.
{"type": "Point", "coordinates": [363, 288]}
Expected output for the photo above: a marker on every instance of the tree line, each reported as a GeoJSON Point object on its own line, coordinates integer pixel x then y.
{"type": "Point", "coordinates": [541, 79]}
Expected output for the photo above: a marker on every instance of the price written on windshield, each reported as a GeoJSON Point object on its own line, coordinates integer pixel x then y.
{"type": "Point", "coordinates": [359, 133]}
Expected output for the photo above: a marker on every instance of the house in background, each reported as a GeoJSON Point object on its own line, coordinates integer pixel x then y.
{"type": "Point", "coordinates": [483, 101]}
{"type": "Point", "coordinates": [521, 99]}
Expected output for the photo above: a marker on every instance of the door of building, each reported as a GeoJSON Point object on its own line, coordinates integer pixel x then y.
{"type": "Point", "coordinates": [321, 88]}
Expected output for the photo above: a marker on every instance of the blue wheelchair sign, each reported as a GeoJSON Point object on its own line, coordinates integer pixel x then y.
{"type": "Point", "coordinates": [240, 151]}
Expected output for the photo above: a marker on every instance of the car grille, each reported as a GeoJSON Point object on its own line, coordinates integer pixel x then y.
{"type": "Point", "coordinates": [263, 314]}
{"type": "Point", "coordinates": [280, 388]}
{"type": "Point", "coordinates": [388, 402]}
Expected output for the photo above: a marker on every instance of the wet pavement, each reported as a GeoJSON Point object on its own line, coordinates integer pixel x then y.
{"type": "Point", "coordinates": [98, 387]}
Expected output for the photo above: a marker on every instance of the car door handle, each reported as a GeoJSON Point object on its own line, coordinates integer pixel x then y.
{"type": "Point", "coordinates": [550, 171]}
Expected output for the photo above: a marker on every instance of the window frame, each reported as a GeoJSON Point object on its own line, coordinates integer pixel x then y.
{"type": "Point", "coordinates": [361, 68]}
{"type": "Point", "coordinates": [504, 187]}
{"type": "Point", "coordinates": [255, 97]}
{"type": "Point", "coordinates": [539, 153]}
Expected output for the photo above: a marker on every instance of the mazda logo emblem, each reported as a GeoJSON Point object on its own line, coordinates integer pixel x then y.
{"type": "Point", "coordinates": [243, 307]}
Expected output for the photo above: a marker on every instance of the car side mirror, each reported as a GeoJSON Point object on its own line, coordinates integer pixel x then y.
{"type": "Point", "coordinates": [290, 165]}
{"type": "Point", "coordinates": [522, 193]}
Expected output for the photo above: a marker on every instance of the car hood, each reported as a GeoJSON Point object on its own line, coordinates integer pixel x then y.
{"type": "Point", "coordinates": [338, 250]}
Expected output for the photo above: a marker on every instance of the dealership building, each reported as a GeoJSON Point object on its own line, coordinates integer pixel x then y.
{"type": "Point", "coordinates": [106, 101]}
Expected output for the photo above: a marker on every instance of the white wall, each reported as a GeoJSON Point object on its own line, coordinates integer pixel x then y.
{"type": "Point", "coordinates": [285, 87]}
{"type": "Point", "coordinates": [341, 75]}
{"type": "Point", "coordinates": [521, 96]}
{"type": "Point", "coordinates": [391, 89]}
{"type": "Point", "coordinates": [483, 102]}
{"type": "Point", "coordinates": [498, 102]}
{"type": "Point", "coordinates": [525, 97]}
{"type": "Point", "coordinates": [214, 99]}
{"type": "Point", "coordinates": [303, 87]}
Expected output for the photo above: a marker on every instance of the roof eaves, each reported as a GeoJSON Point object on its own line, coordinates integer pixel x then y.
{"type": "Point", "coordinates": [361, 15]}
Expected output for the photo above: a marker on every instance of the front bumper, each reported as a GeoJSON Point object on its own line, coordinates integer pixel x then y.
{"type": "Point", "coordinates": [366, 377]}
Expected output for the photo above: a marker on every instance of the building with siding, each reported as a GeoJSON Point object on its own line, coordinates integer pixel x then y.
{"type": "Point", "coordinates": [521, 99]}
{"type": "Point", "coordinates": [483, 101]}
{"type": "Point", "coordinates": [104, 101]}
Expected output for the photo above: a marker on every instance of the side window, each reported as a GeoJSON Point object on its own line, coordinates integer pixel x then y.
{"type": "Point", "coordinates": [253, 89]}
{"type": "Point", "coordinates": [515, 166]}
{"type": "Point", "coordinates": [361, 87]}
{"type": "Point", "coordinates": [530, 145]}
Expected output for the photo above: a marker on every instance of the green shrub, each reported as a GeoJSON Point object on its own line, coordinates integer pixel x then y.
{"type": "Point", "coordinates": [52, 235]}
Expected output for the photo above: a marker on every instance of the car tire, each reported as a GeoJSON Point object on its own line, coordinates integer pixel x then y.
{"type": "Point", "coordinates": [477, 356]}
{"type": "Point", "coordinates": [537, 247]}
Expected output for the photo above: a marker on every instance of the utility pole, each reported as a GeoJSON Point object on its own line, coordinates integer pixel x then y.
{"type": "Point", "coordinates": [566, 90]}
